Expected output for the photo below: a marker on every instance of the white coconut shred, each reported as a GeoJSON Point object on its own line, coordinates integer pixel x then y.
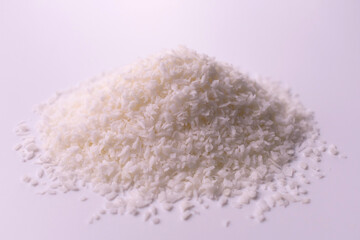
{"type": "Point", "coordinates": [177, 126]}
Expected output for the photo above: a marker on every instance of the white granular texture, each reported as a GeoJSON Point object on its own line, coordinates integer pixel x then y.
{"type": "Point", "coordinates": [175, 126]}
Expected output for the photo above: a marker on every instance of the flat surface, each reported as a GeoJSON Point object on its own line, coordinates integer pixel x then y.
{"type": "Point", "coordinates": [312, 46]}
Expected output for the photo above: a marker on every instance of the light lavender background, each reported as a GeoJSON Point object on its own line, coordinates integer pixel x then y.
{"type": "Point", "coordinates": [313, 46]}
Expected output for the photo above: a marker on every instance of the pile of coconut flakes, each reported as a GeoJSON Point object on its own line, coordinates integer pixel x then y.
{"type": "Point", "coordinates": [177, 128]}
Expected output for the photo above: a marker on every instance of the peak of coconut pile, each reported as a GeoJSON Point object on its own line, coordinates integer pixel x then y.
{"type": "Point", "coordinates": [177, 126]}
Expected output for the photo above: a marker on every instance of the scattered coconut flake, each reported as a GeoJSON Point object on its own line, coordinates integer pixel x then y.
{"type": "Point", "coordinates": [184, 206]}
{"type": "Point", "coordinates": [322, 148]}
{"type": "Point", "coordinates": [288, 171]}
{"type": "Point", "coordinates": [303, 165]}
{"type": "Point", "coordinates": [17, 147]}
{"type": "Point", "coordinates": [223, 201]}
{"type": "Point", "coordinates": [186, 215]}
{"type": "Point", "coordinates": [51, 192]}
{"type": "Point", "coordinates": [226, 223]}
{"type": "Point", "coordinates": [26, 179]}
{"type": "Point", "coordinates": [167, 206]}
{"type": "Point", "coordinates": [40, 173]}
{"type": "Point", "coordinates": [156, 221]}
{"type": "Point", "coordinates": [147, 216]}
{"type": "Point", "coordinates": [154, 210]}
{"type": "Point", "coordinates": [83, 199]}
{"type": "Point", "coordinates": [34, 183]}
{"type": "Point", "coordinates": [333, 150]}
{"type": "Point", "coordinates": [111, 196]}
{"type": "Point", "coordinates": [113, 211]}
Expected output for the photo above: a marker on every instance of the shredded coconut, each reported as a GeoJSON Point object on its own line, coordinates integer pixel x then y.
{"type": "Point", "coordinates": [177, 126]}
{"type": "Point", "coordinates": [147, 216]}
{"type": "Point", "coordinates": [226, 223]}
{"type": "Point", "coordinates": [156, 221]}
{"type": "Point", "coordinates": [186, 215]}
{"type": "Point", "coordinates": [83, 199]}
{"type": "Point", "coordinates": [333, 150]}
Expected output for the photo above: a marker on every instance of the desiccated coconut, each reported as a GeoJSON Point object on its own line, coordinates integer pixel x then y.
{"type": "Point", "coordinates": [175, 127]}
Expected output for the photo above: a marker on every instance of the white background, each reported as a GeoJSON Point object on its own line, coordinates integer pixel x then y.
{"type": "Point", "coordinates": [313, 46]}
